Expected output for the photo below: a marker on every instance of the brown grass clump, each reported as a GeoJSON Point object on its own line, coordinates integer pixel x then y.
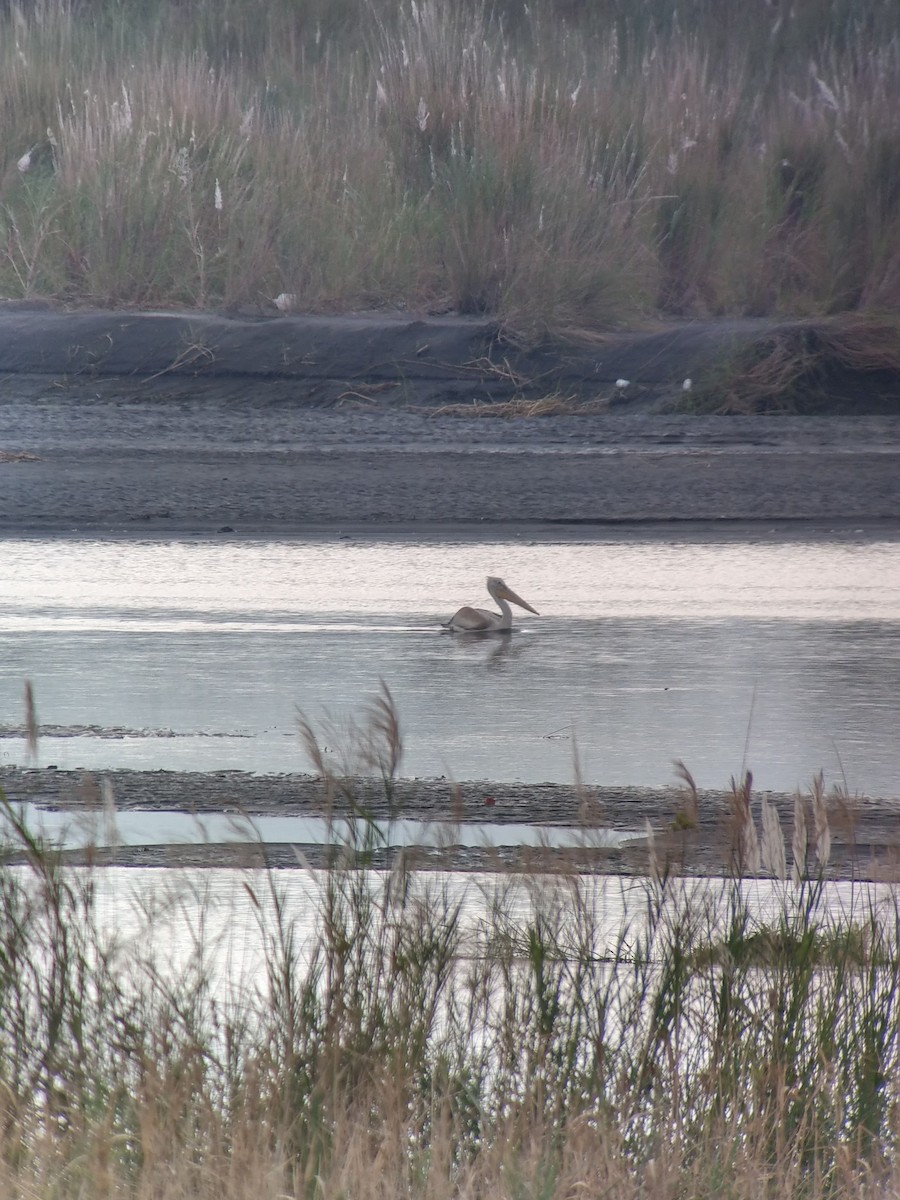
{"type": "Point", "coordinates": [545, 406]}
{"type": "Point", "coordinates": [809, 366]}
{"type": "Point", "coordinates": [688, 813]}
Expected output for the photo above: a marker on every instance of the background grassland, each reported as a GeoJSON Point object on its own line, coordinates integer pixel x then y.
{"type": "Point", "coordinates": [555, 164]}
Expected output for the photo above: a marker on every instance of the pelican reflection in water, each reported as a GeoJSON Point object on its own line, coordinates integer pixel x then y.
{"type": "Point", "coordinates": [482, 620]}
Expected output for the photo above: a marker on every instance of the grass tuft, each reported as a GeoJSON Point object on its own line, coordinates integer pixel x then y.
{"type": "Point", "coordinates": [808, 367]}
{"type": "Point", "coordinates": [554, 405]}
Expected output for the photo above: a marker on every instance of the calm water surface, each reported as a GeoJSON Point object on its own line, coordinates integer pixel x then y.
{"type": "Point", "coordinates": [198, 655]}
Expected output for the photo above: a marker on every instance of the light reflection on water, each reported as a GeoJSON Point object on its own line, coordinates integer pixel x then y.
{"type": "Point", "coordinates": [783, 657]}
{"type": "Point", "coordinates": [427, 581]}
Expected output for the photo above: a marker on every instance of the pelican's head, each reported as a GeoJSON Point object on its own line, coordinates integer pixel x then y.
{"type": "Point", "coordinates": [500, 591]}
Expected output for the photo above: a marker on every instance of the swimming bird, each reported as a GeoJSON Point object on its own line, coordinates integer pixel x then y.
{"type": "Point", "coordinates": [482, 620]}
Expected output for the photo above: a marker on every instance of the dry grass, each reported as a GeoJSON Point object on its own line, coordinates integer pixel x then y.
{"type": "Point", "coordinates": [555, 405]}
{"type": "Point", "coordinates": [689, 812]}
{"type": "Point", "coordinates": [808, 366]}
{"type": "Point", "coordinates": [556, 165]}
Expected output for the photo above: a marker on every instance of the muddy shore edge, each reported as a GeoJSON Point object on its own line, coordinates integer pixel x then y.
{"type": "Point", "coordinates": [388, 358]}
{"type": "Point", "coordinates": [179, 424]}
{"type": "Point", "coordinates": [865, 839]}
{"type": "Point", "coordinates": [385, 358]}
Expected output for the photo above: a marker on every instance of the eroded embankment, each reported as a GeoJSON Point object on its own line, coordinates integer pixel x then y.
{"type": "Point", "coordinates": [377, 359]}
{"type": "Point", "coordinates": [382, 359]}
{"type": "Point", "coordinates": [283, 425]}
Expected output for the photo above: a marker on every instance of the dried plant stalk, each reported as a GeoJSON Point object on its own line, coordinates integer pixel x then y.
{"type": "Point", "coordinates": [745, 842]}
{"type": "Point", "coordinates": [32, 730]}
{"type": "Point", "coordinates": [820, 816]}
{"type": "Point", "coordinates": [774, 857]}
{"type": "Point", "coordinates": [689, 813]}
{"type": "Point", "coordinates": [800, 840]}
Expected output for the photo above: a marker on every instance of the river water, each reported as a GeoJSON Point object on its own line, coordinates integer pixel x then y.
{"type": "Point", "coordinates": [778, 655]}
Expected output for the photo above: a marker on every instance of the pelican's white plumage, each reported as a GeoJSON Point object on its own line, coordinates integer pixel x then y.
{"type": "Point", "coordinates": [482, 620]}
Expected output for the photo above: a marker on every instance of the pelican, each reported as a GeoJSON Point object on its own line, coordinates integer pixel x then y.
{"type": "Point", "coordinates": [482, 620]}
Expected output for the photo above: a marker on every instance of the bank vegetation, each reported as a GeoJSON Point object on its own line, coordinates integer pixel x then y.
{"type": "Point", "coordinates": [556, 164]}
{"type": "Point", "coordinates": [384, 1033]}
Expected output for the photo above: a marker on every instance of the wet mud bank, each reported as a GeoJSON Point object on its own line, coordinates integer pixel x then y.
{"type": "Point", "coordinates": [865, 838]}
{"type": "Point", "coordinates": [190, 423]}
{"type": "Point", "coordinates": [377, 359]}
{"type": "Point", "coordinates": [382, 359]}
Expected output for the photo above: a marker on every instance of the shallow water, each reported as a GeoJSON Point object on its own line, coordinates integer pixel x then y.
{"type": "Point", "coordinates": [784, 657]}
{"type": "Point", "coordinates": [130, 828]}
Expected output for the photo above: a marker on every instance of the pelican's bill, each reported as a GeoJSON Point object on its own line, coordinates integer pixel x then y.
{"type": "Point", "coordinates": [508, 594]}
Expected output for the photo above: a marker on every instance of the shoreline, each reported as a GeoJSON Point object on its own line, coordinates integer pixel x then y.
{"type": "Point", "coordinates": [108, 491]}
{"type": "Point", "coordinates": [384, 424]}
{"type": "Point", "coordinates": [651, 530]}
{"type": "Point", "coordinates": [865, 839]}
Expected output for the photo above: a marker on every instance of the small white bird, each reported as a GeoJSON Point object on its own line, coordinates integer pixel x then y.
{"type": "Point", "coordinates": [482, 620]}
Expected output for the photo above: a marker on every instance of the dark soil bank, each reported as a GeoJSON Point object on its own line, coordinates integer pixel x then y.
{"type": "Point", "coordinates": [322, 359]}
{"type": "Point", "coordinates": [865, 839]}
{"type": "Point", "coordinates": [191, 423]}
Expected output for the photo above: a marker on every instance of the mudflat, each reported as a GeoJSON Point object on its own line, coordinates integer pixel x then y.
{"type": "Point", "coordinates": [864, 837]}
{"type": "Point", "coordinates": [181, 424]}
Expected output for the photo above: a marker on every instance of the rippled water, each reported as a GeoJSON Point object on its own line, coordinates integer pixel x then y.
{"type": "Point", "coordinates": [197, 655]}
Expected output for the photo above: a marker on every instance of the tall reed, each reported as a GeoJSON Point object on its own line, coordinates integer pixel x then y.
{"type": "Point", "coordinates": [409, 1033]}
{"type": "Point", "coordinates": [551, 164]}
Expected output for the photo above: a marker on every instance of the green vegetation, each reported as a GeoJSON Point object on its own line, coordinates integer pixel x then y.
{"type": "Point", "coordinates": [541, 1036]}
{"type": "Point", "coordinates": [555, 164]}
